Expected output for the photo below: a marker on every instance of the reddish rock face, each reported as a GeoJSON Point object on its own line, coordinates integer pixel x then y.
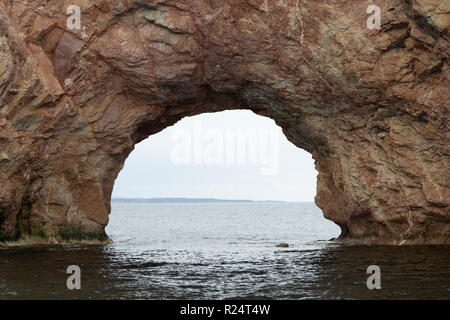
{"type": "Point", "coordinates": [370, 105]}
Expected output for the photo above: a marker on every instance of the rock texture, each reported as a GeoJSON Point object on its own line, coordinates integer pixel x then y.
{"type": "Point", "coordinates": [371, 106]}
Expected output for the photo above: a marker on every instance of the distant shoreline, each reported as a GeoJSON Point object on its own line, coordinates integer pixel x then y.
{"type": "Point", "coordinates": [188, 200]}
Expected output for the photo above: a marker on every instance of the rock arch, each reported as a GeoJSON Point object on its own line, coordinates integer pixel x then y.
{"type": "Point", "coordinates": [371, 106]}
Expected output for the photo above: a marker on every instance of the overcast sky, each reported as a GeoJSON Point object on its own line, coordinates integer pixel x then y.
{"type": "Point", "coordinates": [205, 157]}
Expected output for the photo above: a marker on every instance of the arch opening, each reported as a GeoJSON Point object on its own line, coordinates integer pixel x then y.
{"type": "Point", "coordinates": [224, 175]}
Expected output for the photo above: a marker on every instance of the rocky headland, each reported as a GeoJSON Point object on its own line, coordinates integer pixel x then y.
{"type": "Point", "coordinates": [370, 104]}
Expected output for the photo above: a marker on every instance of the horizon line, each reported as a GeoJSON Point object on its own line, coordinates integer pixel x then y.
{"type": "Point", "coordinates": [180, 199]}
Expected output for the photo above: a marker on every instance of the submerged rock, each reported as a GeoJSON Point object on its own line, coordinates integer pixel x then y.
{"type": "Point", "coordinates": [370, 105]}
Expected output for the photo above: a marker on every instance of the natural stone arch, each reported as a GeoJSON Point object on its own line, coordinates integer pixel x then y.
{"type": "Point", "coordinates": [371, 106]}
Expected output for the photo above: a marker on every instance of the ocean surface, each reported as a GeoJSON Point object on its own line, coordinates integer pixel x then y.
{"type": "Point", "coordinates": [223, 251]}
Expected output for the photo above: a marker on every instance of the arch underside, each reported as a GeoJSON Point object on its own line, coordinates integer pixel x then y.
{"type": "Point", "coordinates": [371, 106]}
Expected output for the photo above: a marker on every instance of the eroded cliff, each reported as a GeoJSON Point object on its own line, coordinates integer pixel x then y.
{"type": "Point", "coordinates": [370, 105]}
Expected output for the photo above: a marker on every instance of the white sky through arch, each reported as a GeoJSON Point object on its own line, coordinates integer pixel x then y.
{"type": "Point", "coordinates": [152, 172]}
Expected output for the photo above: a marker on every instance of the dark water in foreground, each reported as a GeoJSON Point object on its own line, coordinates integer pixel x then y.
{"type": "Point", "coordinates": [221, 251]}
